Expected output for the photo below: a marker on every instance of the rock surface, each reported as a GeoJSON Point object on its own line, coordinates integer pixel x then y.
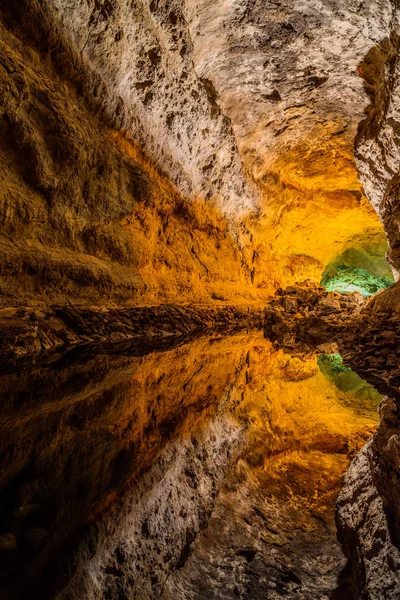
{"type": "Point", "coordinates": [29, 335]}
{"type": "Point", "coordinates": [370, 345]}
{"type": "Point", "coordinates": [367, 333]}
{"type": "Point", "coordinates": [180, 152]}
{"type": "Point", "coordinates": [113, 465]}
{"type": "Point", "coordinates": [86, 217]}
{"type": "Point", "coordinates": [365, 532]}
{"type": "Point", "coordinates": [306, 318]}
{"type": "Point", "coordinates": [202, 152]}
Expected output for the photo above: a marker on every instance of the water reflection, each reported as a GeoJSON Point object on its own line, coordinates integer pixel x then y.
{"type": "Point", "coordinates": [112, 465]}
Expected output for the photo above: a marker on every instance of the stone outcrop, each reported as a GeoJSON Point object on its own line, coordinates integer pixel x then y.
{"type": "Point", "coordinates": [306, 318]}
{"type": "Point", "coordinates": [371, 343]}
{"type": "Point", "coordinates": [34, 334]}
{"type": "Point", "coordinates": [366, 332]}
{"type": "Point", "coordinates": [377, 141]}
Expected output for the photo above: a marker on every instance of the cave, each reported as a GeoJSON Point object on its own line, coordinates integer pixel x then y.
{"type": "Point", "coordinates": [199, 318]}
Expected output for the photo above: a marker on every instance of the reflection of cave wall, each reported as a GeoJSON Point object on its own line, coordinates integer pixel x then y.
{"type": "Point", "coordinates": [360, 392]}
{"type": "Point", "coordinates": [112, 465]}
{"type": "Point", "coordinates": [76, 436]}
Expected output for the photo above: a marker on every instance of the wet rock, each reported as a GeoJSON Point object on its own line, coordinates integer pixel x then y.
{"type": "Point", "coordinates": [27, 335]}
{"type": "Point", "coordinates": [316, 321]}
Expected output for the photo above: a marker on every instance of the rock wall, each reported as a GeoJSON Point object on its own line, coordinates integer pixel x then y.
{"type": "Point", "coordinates": [272, 72]}
{"type": "Point", "coordinates": [377, 141]}
{"type": "Point", "coordinates": [180, 152]}
{"type": "Point", "coordinates": [365, 530]}
{"type": "Point", "coordinates": [87, 218]}
{"type": "Point", "coordinates": [368, 513]}
{"type": "Point", "coordinates": [199, 152]}
{"type": "Point", "coordinates": [304, 318]}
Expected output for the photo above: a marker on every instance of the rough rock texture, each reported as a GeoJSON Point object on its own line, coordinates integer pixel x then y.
{"type": "Point", "coordinates": [368, 506]}
{"type": "Point", "coordinates": [370, 529]}
{"type": "Point", "coordinates": [378, 142]}
{"type": "Point", "coordinates": [261, 65]}
{"type": "Point", "coordinates": [364, 529]}
{"type": "Point", "coordinates": [86, 217]}
{"type": "Point", "coordinates": [306, 318]}
{"type": "Point", "coordinates": [32, 334]}
{"type": "Point", "coordinates": [150, 532]}
{"type": "Point", "coordinates": [194, 151]}
{"type": "Point", "coordinates": [272, 73]}
{"type": "Point", "coordinates": [198, 151]}
{"type": "Point", "coordinates": [371, 343]}
{"type": "Point", "coordinates": [112, 464]}
{"type": "Point", "coordinates": [77, 435]}
{"type": "Point", "coordinates": [267, 544]}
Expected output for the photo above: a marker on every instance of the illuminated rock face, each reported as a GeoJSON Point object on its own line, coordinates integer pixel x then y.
{"type": "Point", "coordinates": [377, 143]}
{"type": "Point", "coordinates": [203, 152]}
{"type": "Point", "coordinates": [86, 219]}
{"type": "Point", "coordinates": [194, 152]}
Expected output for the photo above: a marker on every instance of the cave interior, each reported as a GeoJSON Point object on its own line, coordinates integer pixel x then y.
{"type": "Point", "coordinates": [199, 317]}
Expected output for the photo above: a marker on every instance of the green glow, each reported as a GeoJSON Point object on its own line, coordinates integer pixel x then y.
{"type": "Point", "coordinates": [333, 362]}
{"type": "Point", "coordinates": [353, 279]}
{"type": "Point", "coordinates": [361, 394]}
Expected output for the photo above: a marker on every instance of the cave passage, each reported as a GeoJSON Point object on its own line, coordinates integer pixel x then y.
{"type": "Point", "coordinates": [199, 227]}
{"type": "Point", "coordinates": [362, 269]}
{"type": "Point", "coordinates": [206, 470]}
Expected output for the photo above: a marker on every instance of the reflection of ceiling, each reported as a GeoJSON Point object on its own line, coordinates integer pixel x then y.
{"type": "Point", "coordinates": [141, 445]}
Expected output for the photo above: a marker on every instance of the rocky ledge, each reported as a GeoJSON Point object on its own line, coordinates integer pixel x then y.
{"type": "Point", "coordinates": [305, 318]}
{"type": "Point", "coordinates": [29, 334]}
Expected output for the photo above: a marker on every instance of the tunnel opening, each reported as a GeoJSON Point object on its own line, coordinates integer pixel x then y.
{"type": "Point", "coordinates": [362, 267]}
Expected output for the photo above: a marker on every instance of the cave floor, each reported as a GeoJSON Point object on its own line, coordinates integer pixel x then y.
{"type": "Point", "coordinates": [205, 470]}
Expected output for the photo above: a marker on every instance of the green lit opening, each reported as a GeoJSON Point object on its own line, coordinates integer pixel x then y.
{"type": "Point", "coordinates": [356, 391]}
{"type": "Point", "coordinates": [360, 268]}
{"type": "Point", "coordinates": [352, 279]}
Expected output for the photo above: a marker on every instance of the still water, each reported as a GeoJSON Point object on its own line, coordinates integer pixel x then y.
{"type": "Point", "coordinates": [203, 470]}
